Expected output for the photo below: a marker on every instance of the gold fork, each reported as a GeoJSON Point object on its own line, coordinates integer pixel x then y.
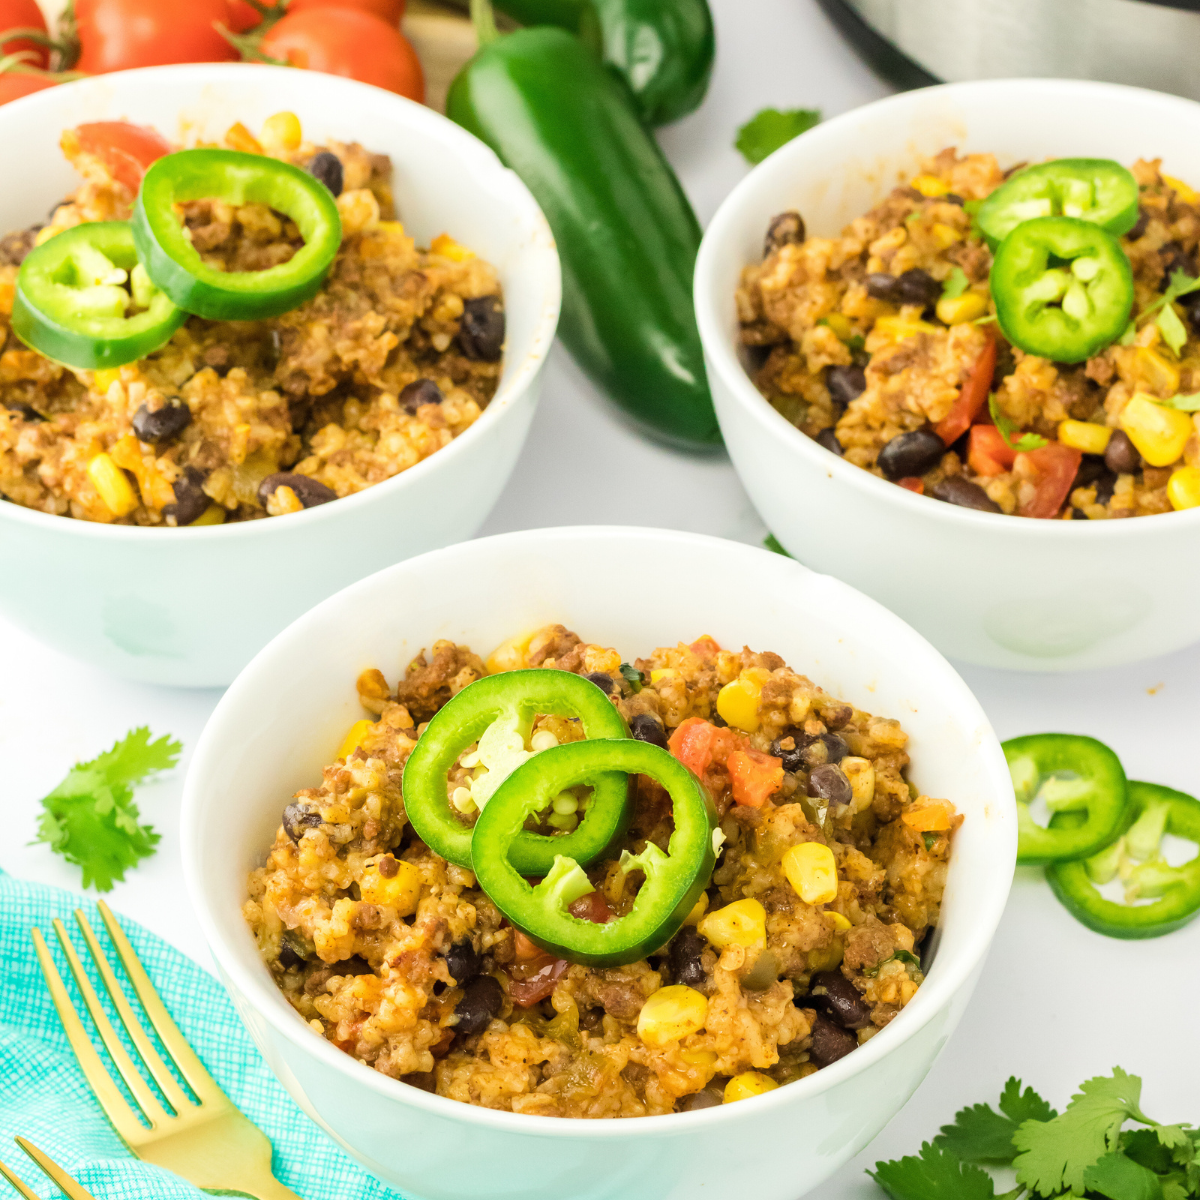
{"type": "Point", "coordinates": [206, 1140]}
{"type": "Point", "coordinates": [68, 1186]}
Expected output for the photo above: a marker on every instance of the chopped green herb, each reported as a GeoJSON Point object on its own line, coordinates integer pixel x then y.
{"type": "Point", "coordinates": [91, 819]}
{"type": "Point", "coordinates": [633, 677]}
{"type": "Point", "coordinates": [771, 128]}
{"type": "Point", "coordinates": [907, 956]}
{"type": "Point", "coordinates": [1171, 328]}
{"type": "Point", "coordinates": [913, 216]}
{"type": "Point", "coordinates": [1127, 338]}
{"type": "Point", "coordinates": [955, 284]}
{"type": "Point", "coordinates": [1027, 441]}
{"type": "Point", "coordinates": [1181, 283]}
{"type": "Point", "coordinates": [773, 543]}
{"type": "Point", "coordinates": [1183, 403]}
{"type": "Point", "coordinates": [985, 320]}
{"type": "Point", "coordinates": [930, 839]}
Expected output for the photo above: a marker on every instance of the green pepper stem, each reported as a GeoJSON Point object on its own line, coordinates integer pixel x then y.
{"type": "Point", "coordinates": [483, 17]}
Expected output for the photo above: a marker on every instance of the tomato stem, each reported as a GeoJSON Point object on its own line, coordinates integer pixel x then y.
{"type": "Point", "coordinates": [483, 17]}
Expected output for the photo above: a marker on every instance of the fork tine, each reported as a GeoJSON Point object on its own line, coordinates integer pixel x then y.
{"type": "Point", "coordinates": [175, 1095]}
{"type": "Point", "coordinates": [64, 1182]}
{"type": "Point", "coordinates": [16, 1182]}
{"type": "Point", "coordinates": [141, 1090]}
{"type": "Point", "coordinates": [106, 1091]}
{"type": "Point", "coordinates": [207, 1090]}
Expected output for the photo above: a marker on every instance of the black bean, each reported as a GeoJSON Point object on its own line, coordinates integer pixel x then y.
{"type": "Point", "coordinates": [684, 956]}
{"type": "Point", "coordinates": [1077, 514]}
{"type": "Point", "coordinates": [845, 383]}
{"type": "Point", "coordinates": [954, 489]}
{"type": "Point", "coordinates": [1191, 308]}
{"type": "Point", "coordinates": [825, 748]}
{"type": "Point", "coordinates": [830, 1042]}
{"type": "Point", "coordinates": [829, 440]}
{"type": "Point", "coordinates": [290, 954]}
{"type": "Point", "coordinates": [354, 965]}
{"type": "Point", "coordinates": [708, 1097]}
{"type": "Point", "coordinates": [1139, 226]}
{"type": "Point", "coordinates": [481, 331]}
{"type": "Point", "coordinates": [190, 499]}
{"type": "Point", "coordinates": [952, 198]}
{"type": "Point", "coordinates": [481, 1001]}
{"type": "Point", "coordinates": [327, 167]}
{"type": "Point", "coordinates": [463, 962]}
{"type": "Point", "coordinates": [882, 287]}
{"type": "Point", "coordinates": [297, 818]}
{"type": "Point", "coordinates": [1122, 455]}
{"type": "Point", "coordinates": [310, 492]}
{"type": "Point", "coordinates": [913, 453]}
{"type": "Point", "coordinates": [842, 999]}
{"type": "Point", "coordinates": [162, 424]}
{"type": "Point", "coordinates": [918, 287]}
{"type": "Point", "coordinates": [785, 229]}
{"type": "Point", "coordinates": [602, 680]}
{"type": "Point", "coordinates": [648, 728]}
{"type": "Point", "coordinates": [793, 757]}
{"type": "Point", "coordinates": [23, 410]}
{"type": "Point", "coordinates": [1094, 472]}
{"type": "Point", "coordinates": [423, 391]}
{"type": "Point", "coordinates": [719, 721]}
{"type": "Point", "coordinates": [15, 246]}
{"type": "Point", "coordinates": [829, 783]}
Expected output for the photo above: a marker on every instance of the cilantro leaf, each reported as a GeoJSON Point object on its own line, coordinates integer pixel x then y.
{"type": "Point", "coordinates": [1024, 1105]}
{"type": "Point", "coordinates": [1182, 403]}
{"type": "Point", "coordinates": [980, 1134]}
{"type": "Point", "coordinates": [1027, 441]}
{"type": "Point", "coordinates": [955, 284]}
{"type": "Point", "coordinates": [773, 544]}
{"type": "Point", "coordinates": [1180, 284]}
{"type": "Point", "coordinates": [633, 677]}
{"type": "Point", "coordinates": [1120, 1178]}
{"type": "Point", "coordinates": [771, 128]}
{"type": "Point", "coordinates": [1171, 328]}
{"type": "Point", "coordinates": [90, 818]}
{"type": "Point", "coordinates": [935, 1175]}
{"type": "Point", "coordinates": [1143, 1146]}
{"type": "Point", "coordinates": [1056, 1154]}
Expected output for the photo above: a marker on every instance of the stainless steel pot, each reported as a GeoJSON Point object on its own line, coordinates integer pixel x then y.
{"type": "Point", "coordinates": [1149, 43]}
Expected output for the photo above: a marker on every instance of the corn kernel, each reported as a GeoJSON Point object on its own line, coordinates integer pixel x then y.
{"type": "Point", "coordinates": [944, 236]}
{"type": "Point", "coordinates": [930, 186]}
{"type": "Point", "coordinates": [113, 485]}
{"type": "Point", "coordinates": [510, 654]}
{"type": "Point", "coordinates": [672, 1013]}
{"type": "Point", "coordinates": [214, 514]}
{"type": "Point", "coordinates": [400, 890]}
{"type": "Point", "coordinates": [281, 131]}
{"type": "Point", "coordinates": [812, 872]}
{"type": "Point", "coordinates": [1159, 433]}
{"type": "Point", "coordinates": [156, 491]}
{"type": "Point", "coordinates": [282, 501]}
{"type": "Point", "coordinates": [1183, 488]}
{"type": "Point", "coordinates": [742, 923]}
{"type": "Point", "coordinates": [747, 1084]}
{"type": "Point", "coordinates": [661, 673]}
{"type": "Point", "coordinates": [954, 310]}
{"type": "Point", "coordinates": [1181, 189]}
{"type": "Point", "coordinates": [840, 923]}
{"type": "Point", "coordinates": [447, 247]}
{"type": "Point", "coordinates": [1087, 436]}
{"type": "Point", "coordinates": [861, 773]}
{"type": "Point", "coordinates": [840, 324]}
{"type": "Point", "coordinates": [104, 378]}
{"type": "Point", "coordinates": [896, 329]}
{"type": "Point", "coordinates": [391, 229]}
{"type": "Point", "coordinates": [359, 211]}
{"type": "Point", "coordinates": [698, 910]}
{"type": "Point", "coordinates": [238, 137]}
{"type": "Point", "coordinates": [699, 1058]}
{"type": "Point", "coordinates": [737, 702]}
{"type": "Point", "coordinates": [1158, 374]}
{"type": "Point", "coordinates": [44, 235]}
{"type": "Point", "coordinates": [354, 737]}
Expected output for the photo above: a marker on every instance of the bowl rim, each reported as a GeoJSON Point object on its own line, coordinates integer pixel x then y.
{"type": "Point", "coordinates": [720, 349]}
{"type": "Point", "coordinates": [258, 991]}
{"type": "Point", "coordinates": [463, 143]}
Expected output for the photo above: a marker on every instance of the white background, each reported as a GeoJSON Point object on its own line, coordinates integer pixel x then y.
{"type": "Point", "coordinates": [1056, 1004]}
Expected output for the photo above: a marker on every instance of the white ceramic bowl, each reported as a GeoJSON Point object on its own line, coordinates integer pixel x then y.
{"type": "Point", "coordinates": [286, 713]}
{"type": "Point", "coordinates": [191, 606]}
{"type": "Point", "coordinates": [989, 589]}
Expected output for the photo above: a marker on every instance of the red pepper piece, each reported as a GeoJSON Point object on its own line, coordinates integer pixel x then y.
{"type": "Point", "coordinates": [755, 776]}
{"type": "Point", "coordinates": [972, 397]}
{"type": "Point", "coordinates": [1053, 467]}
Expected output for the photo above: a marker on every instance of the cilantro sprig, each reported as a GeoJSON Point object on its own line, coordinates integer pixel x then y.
{"type": "Point", "coordinates": [771, 128]}
{"type": "Point", "coordinates": [1027, 441]}
{"type": "Point", "coordinates": [1082, 1151]}
{"type": "Point", "coordinates": [955, 284]}
{"type": "Point", "coordinates": [91, 819]}
{"type": "Point", "coordinates": [1169, 325]}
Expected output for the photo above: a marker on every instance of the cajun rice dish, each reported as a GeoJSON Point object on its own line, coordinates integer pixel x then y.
{"type": "Point", "coordinates": [1020, 341]}
{"type": "Point", "coordinates": [786, 923]}
{"type": "Point", "coordinates": [396, 351]}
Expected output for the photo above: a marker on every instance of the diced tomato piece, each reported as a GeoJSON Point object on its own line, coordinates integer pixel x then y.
{"type": "Point", "coordinates": [755, 776]}
{"type": "Point", "coordinates": [700, 744]}
{"type": "Point", "coordinates": [525, 949]}
{"type": "Point", "coordinates": [539, 983]}
{"type": "Point", "coordinates": [987, 451]}
{"type": "Point", "coordinates": [127, 150]}
{"type": "Point", "coordinates": [705, 647]}
{"type": "Point", "coordinates": [972, 397]}
{"type": "Point", "coordinates": [592, 907]}
{"type": "Point", "coordinates": [913, 483]}
{"type": "Point", "coordinates": [1053, 468]}
{"type": "Point", "coordinates": [932, 817]}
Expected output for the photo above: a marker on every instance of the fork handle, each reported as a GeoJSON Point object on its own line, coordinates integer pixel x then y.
{"type": "Point", "coordinates": [265, 1187]}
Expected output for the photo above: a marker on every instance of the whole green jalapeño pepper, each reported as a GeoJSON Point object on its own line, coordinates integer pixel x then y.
{"type": "Point", "coordinates": [175, 265]}
{"type": "Point", "coordinates": [83, 299]}
{"type": "Point", "coordinates": [1090, 189]}
{"type": "Point", "coordinates": [1174, 892]}
{"type": "Point", "coordinates": [626, 234]}
{"type": "Point", "coordinates": [1063, 288]}
{"type": "Point", "coordinates": [1072, 774]}
{"type": "Point", "coordinates": [497, 712]}
{"type": "Point", "coordinates": [673, 880]}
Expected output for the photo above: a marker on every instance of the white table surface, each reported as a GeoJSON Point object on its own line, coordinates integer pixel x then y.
{"type": "Point", "coordinates": [1056, 1003]}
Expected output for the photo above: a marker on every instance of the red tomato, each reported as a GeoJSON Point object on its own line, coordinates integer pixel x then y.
{"type": "Point", "coordinates": [699, 744]}
{"type": "Point", "coordinates": [539, 983]}
{"type": "Point", "coordinates": [705, 647]}
{"type": "Point", "coordinates": [1053, 467]}
{"type": "Point", "coordinates": [349, 42]}
{"type": "Point", "coordinates": [23, 14]}
{"type": "Point", "coordinates": [912, 483]}
{"type": "Point", "coordinates": [987, 451]}
{"type": "Point", "coordinates": [127, 150]}
{"type": "Point", "coordinates": [592, 907]}
{"type": "Point", "coordinates": [971, 398]}
{"type": "Point", "coordinates": [13, 87]}
{"type": "Point", "coordinates": [116, 34]}
{"type": "Point", "coordinates": [243, 16]}
{"type": "Point", "coordinates": [755, 776]}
